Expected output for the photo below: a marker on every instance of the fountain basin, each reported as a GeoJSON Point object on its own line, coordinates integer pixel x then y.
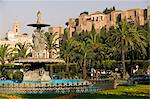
{"type": "Point", "coordinates": [60, 86]}
{"type": "Point", "coordinates": [50, 82]}
{"type": "Point", "coordinates": [38, 25]}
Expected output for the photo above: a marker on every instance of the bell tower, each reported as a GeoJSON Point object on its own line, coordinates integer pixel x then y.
{"type": "Point", "coordinates": [16, 26]}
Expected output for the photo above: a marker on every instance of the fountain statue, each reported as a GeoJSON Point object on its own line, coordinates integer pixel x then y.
{"type": "Point", "coordinates": [38, 38]}
{"type": "Point", "coordinates": [39, 20]}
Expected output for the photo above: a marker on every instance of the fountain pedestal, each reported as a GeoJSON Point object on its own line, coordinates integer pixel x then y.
{"type": "Point", "coordinates": [38, 75]}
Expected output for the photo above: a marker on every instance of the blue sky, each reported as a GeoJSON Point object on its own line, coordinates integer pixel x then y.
{"type": "Point", "coordinates": [55, 12]}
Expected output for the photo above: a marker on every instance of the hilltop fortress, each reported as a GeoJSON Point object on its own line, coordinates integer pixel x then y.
{"type": "Point", "coordinates": [85, 21]}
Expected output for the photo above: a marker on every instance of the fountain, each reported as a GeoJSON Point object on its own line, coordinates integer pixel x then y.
{"type": "Point", "coordinates": [39, 55]}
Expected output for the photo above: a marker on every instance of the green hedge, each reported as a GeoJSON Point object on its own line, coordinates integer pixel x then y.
{"type": "Point", "coordinates": [10, 74]}
{"type": "Point", "coordinates": [18, 75]}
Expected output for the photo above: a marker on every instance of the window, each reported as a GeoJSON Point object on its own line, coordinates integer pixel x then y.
{"type": "Point", "coordinates": [16, 30]}
{"type": "Point", "coordinates": [118, 18]}
{"type": "Point", "coordinates": [145, 14]}
{"type": "Point", "coordinates": [44, 55]}
{"type": "Point", "coordinates": [38, 54]}
{"type": "Point", "coordinates": [135, 13]}
{"type": "Point", "coordinates": [93, 19]}
{"type": "Point", "coordinates": [102, 18]}
{"type": "Point", "coordinates": [96, 18]}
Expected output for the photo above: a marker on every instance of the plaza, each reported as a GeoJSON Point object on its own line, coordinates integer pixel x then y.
{"type": "Point", "coordinates": [96, 53]}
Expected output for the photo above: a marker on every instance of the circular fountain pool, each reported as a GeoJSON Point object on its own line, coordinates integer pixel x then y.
{"type": "Point", "coordinates": [50, 82]}
{"type": "Point", "coordinates": [59, 86]}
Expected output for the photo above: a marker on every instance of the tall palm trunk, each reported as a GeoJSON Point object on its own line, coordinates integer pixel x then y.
{"type": "Point", "coordinates": [50, 54]}
{"type": "Point", "coordinates": [67, 64]}
{"type": "Point", "coordinates": [67, 67]}
{"type": "Point", "coordinates": [84, 67]}
{"type": "Point", "coordinates": [51, 71]}
{"type": "Point", "coordinates": [51, 67]}
{"type": "Point", "coordinates": [123, 57]}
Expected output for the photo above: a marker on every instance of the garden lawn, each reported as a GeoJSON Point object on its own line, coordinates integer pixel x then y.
{"type": "Point", "coordinates": [138, 90]}
{"type": "Point", "coordinates": [126, 92]}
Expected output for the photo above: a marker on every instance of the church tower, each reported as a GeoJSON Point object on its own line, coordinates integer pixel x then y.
{"type": "Point", "coordinates": [16, 26]}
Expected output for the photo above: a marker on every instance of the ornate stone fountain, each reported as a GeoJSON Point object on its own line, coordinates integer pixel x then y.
{"type": "Point", "coordinates": [39, 55]}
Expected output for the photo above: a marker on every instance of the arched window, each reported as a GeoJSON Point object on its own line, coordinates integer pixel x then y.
{"type": "Point", "coordinates": [43, 55]}
{"type": "Point", "coordinates": [96, 18]}
{"type": "Point", "coordinates": [38, 54]}
{"type": "Point", "coordinates": [102, 18]}
{"type": "Point", "coordinates": [93, 18]}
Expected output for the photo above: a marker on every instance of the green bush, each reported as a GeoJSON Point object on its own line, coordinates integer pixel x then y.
{"type": "Point", "coordinates": [127, 75]}
{"type": "Point", "coordinates": [4, 72]}
{"type": "Point", "coordinates": [9, 74]}
{"type": "Point", "coordinates": [62, 74]}
{"type": "Point", "coordinates": [18, 75]}
{"type": "Point", "coordinates": [79, 75]}
{"type": "Point", "coordinates": [73, 74]}
{"type": "Point", "coordinates": [140, 71]}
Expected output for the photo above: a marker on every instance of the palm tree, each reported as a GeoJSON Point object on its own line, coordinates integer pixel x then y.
{"type": "Point", "coordinates": [51, 44]}
{"type": "Point", "coordinates": [96, 46]}
{"type": "Point", "coordinates": [123, 36]}
{"type": "Point", "coordinates": [67, 51]}
{"type": "Point", "coordinates": [5, 52]}
{"type": "Point", "coordinates": [100, 51]}
{"type": "Point", "coordinates": [93, 38]}
{"type": "Point", "coordinates": [85, 52]}
{"type": "Point", "coordinates": [23, 50]}
{"type": "Point", "coordinates": [146, 32]}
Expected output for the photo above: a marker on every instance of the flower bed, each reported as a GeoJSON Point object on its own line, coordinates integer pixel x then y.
{"type": "Point", "coordinates": [9, 96]}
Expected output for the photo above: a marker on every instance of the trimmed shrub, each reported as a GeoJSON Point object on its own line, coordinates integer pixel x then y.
{"type": "Point", "coordinates": [140, 71]}
{"type": "Point", "coordinates": [9, 74]}
{"type": "Point", "coordinates": [18, 75]}
{"type": "Point", "coordinates": [62, 74]}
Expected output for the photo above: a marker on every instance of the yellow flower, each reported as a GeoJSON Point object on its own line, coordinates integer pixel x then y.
{"type": "Point", "coordinates": [9, 96]}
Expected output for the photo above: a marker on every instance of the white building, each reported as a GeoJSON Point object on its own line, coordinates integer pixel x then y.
{"type": "Point", "coordinates": [14, 36]}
